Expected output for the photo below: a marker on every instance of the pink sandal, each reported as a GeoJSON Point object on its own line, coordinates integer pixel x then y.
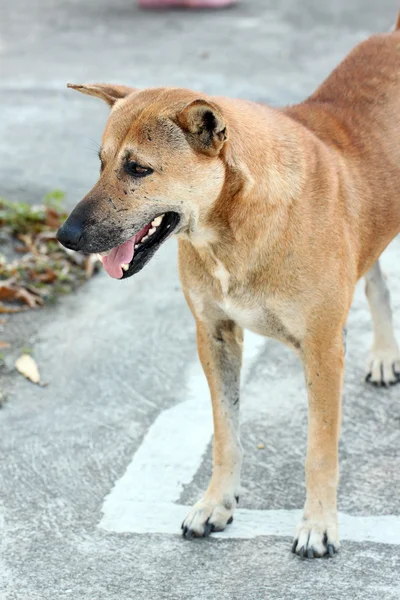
{"type": "Point", "coordinates": [186, 3]}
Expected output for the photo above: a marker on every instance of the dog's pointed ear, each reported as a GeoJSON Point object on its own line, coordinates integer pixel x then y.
{"type": "Point", "coordinates": [108, 92]}
{"type": "Point", "coordinates": [205, 125]}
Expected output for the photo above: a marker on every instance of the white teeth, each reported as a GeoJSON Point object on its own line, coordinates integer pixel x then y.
{"type": "Point", "coordinates": [157, 221]}
{"type": "Point", "coordinates": [152, 230]}
{"type": "Point", "coordinates": [99, 256]}
{"type": "Point", "coordinates": [125, 267]}
{"type": "Point", "coordinates": [146, 237]}
{"type": "Point", "coordinates": [137, 246]}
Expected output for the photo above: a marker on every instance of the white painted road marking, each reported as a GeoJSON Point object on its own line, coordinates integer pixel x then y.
{"type": "Point", "coordinates": [145, 499]}
{"type": "Point", "coordinates": [138, 517]}
{"type": "Point", "coordinates": [175, 444]}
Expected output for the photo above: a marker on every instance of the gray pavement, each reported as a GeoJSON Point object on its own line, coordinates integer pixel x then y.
{"type": "Point", "coordinates": [118, 355]}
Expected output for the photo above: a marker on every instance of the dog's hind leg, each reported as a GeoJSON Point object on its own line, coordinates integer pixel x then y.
{"type": "Point", "coordinates": [220, 347]}
{"type": "Point", "coordinates": [384, 361]}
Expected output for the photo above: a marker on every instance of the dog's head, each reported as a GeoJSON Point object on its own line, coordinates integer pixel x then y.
{"type": "Point", "coordinates": [161, 172]}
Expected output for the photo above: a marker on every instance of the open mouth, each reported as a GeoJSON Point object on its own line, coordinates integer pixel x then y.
{"type": "Point", "coordinates": [131, 256]}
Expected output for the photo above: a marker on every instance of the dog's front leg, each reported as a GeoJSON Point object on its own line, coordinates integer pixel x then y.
{"type": "Point", "coordinates": [220, 350]}
{"type": "Point", "coordinates": [317, 532]}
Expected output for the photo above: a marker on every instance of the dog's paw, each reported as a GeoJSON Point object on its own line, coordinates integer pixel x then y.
{"type": "Point", "coordinates": [384, 368]}
{"type": "Point", "coordinates": [316, 538]}
{"type": "Point", "coordinates": [207, 516]}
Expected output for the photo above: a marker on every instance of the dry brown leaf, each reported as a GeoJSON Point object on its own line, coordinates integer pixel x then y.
{"type": "Point", "coordinates": [47, 236]}
{"type": "Point", "coordinates": [6, 289]}
{"type": "Point", "coordinates": [21, 249]}
{"type": "Point", "coordinates": [11, 291]}
{"type": "Point", "coordinates": [47, 277]}
{"type": "Point", "coordinates": [35, 291]}
{"type": "Point", "coordinates": [26, 365]}
{"type": "Point", "coordinates": [32, 300]}
{"type": "Point", "coordinates": [29, 242]}
{"type": "Point", "coordinates": [4, 345]}
{"type": "Point", "coordinates": [52, 218]}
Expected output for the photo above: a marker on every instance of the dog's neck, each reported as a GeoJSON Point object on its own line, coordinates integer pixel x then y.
{"type": "Point", "coordinates": [265, 174]}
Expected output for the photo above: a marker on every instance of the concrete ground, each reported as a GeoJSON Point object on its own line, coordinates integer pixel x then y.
{"type": "Point", "coordinates": [83, 460]}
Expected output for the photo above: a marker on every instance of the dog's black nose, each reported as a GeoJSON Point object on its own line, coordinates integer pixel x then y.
{"type": "Point", "coordinates": [70, 233]}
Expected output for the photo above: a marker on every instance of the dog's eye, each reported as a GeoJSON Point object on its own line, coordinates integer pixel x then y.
{"type": "Point", "coordinates": [136, 170]}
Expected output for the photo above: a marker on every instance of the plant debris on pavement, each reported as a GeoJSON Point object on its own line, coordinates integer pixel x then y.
{"type": "Point", "coordinates": [27, 366]}
{"type": "Point", "coordinates": [39, 268]}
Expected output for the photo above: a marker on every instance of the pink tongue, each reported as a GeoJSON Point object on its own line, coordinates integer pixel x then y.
{"type": "Point", "coordinates": [119, 256]}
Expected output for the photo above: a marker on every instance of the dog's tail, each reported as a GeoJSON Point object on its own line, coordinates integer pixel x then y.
{"type": "Point", "coordinates": [397, 26]}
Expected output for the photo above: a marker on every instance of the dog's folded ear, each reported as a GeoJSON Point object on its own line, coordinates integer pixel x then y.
{"type": "Point", "coordinates": [108, 92]}
{"type": "Point", "coordinates": [205, 126]}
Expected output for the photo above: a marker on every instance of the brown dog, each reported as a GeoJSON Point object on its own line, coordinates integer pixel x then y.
{"type": "Point", "coordinates": [278, 214]}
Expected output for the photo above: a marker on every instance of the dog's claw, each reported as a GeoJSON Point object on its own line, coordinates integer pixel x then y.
{"type": "Point", "coordinates": [320, 546]}
{"type": "Point", "coordinates": [189, 533]}
{"type": "Point", "coordinates": [387, 377]}
{"type": "Point", "coordinates": [208, 527]}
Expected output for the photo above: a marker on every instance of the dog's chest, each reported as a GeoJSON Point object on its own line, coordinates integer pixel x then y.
{"type": "Point", "coordinates": [255, 311]}
{"type": "Point", "coordinates": [245, 314]}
